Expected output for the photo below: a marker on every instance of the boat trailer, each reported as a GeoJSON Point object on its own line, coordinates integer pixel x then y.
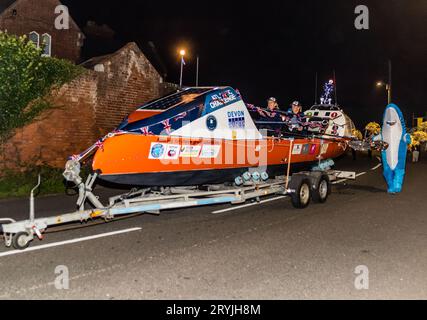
{"type": "Point", "coordinates": [301, 187]}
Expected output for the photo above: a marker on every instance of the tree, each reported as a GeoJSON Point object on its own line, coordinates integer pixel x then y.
{"type": "Point", "coordinates": [26, 79]}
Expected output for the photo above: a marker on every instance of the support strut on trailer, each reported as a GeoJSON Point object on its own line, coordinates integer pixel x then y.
{"type": "Point", "coordinates": [301, 187]}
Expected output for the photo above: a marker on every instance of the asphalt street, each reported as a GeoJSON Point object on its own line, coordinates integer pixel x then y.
{"type": "Point", "coordinates": [267, 251]}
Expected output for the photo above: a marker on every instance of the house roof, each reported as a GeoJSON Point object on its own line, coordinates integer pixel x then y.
{"type": "Point", "coordinates": [91, 63]}
{"type": "Point", "coordinates": [4, 4]}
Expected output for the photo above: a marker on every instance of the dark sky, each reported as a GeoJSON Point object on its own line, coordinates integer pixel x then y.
{"type": "Point", "coordinates": [275, 48]}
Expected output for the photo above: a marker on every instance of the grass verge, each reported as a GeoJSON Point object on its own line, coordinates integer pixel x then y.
{"type": "Point", "coordinates": [17, 185]}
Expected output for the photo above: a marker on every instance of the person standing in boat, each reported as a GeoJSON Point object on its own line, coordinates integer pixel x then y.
{"type": "Point", "coordinates": [272, 113]}
{"type": "Point", "coordinates": [271, 118]}
{"type": "Point", "coordinates": [295, 117]}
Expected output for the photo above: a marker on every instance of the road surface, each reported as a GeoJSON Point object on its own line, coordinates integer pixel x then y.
{"type": "Point", "coordinates": [268, 251]}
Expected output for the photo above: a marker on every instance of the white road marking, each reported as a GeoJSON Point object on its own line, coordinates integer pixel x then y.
{"type": "Point", "coordinates": [343, 180]}
{"type": "Point", "coordinates": [247, 205]}
{"type": "Point", "coordinates": [61, 243]}
{"type": "Point", "coordinates": [376, 167]}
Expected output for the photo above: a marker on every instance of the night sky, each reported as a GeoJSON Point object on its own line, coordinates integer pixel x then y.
{"type": "Point", "coordinates": [275, 48]}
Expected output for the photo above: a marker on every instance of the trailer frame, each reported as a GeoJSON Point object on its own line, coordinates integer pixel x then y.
{"type": "Point", "coordinates": [19, 234]}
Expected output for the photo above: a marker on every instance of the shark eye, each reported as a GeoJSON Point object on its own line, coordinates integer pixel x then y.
{"type": "Point", "coordinates": [391, 123]}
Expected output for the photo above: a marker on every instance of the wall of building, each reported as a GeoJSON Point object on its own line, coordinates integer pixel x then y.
{"type": "Point", "coordinates": [39, 16]}
{"type": "Point", "coordinates": [85, 110]}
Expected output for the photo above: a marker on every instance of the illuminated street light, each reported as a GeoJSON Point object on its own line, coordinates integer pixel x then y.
{"type": "Point", "coordinates": [387, 85]}
{"type": "Point", "coordinates": [381, 84]}
{"type": "Point", "coordinates": [182, 54]}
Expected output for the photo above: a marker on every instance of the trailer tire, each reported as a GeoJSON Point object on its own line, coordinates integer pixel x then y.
{"type": "Point", "coordinates": [322, 191]}
{"type": "Point", "coordinates": [301, 197]}
{"type": "Point", "coordinates": [20, 240]}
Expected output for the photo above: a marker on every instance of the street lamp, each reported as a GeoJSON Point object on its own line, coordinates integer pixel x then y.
{"type": "Point", "coordinates": [182, 54]}
{"type": "Point", "coordinates": [381, 84]}
{"type": "Point", "coordinates": [387, 85]}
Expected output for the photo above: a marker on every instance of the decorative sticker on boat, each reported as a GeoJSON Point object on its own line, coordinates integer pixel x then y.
{"type": "Point", "coordinates": [172, 151]}
{"type": "Point", "coordinates": [313, 149]}
{"type": "Point", "coordinates": [297, 148]}
{"type": "Point", "coordinates": [324, 148]}
{"type": "Point", "coordinates": [220, 99]}
{"type": "Point", "coordinates": [305, 149]}
{"type": "Point", "coordinates": [210, 151]}
{"type": "Point", "coordinates": [157, 150]}
{"type": "Point", "coordinates": [211, 123]}
{"type": "Point", "coordinates": [189, 151]}
{"type": "Point", "coordinates": [236, 119]}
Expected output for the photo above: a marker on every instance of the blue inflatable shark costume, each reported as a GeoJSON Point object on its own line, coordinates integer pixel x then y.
{"type": "Point", "coordinates": [394, 158]}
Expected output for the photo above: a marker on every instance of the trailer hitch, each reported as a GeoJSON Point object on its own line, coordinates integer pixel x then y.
{"type": "Point", "coordinates": [72, 174]}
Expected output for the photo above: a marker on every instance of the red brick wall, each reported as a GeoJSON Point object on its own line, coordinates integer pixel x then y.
{"type": "Point", "coordinates": [39, 16]}
{"type": "Point", "coordinates": [128, 81]}
{"type": "Point", "coordinates": [59, 132]}
{"type": "Point", "coordinates": [85, 110]}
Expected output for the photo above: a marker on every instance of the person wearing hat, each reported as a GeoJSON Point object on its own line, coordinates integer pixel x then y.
{"type": "Point", "coordinates": [272, 104]}
{"type": "Point", "coordinates": [295, 117]}
{"type": "Point", "coordinates": [271, 114]}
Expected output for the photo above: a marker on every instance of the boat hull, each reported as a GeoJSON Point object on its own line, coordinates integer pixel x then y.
{"type": "Point", "coordinates": [147, 160]}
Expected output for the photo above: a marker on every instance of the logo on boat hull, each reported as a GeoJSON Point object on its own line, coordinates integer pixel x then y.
{"type": "Point", "coordinates": [210, 151]}
{"type": "Point", "coordinates": [172, 151]}
{"type": "Point", "coordinates": [305, 149]}
{"type": "Point", "coordinates": [157, 151]}
{"type": "Point", "coordinates": [189, 151]}
{"type": "Point", "coordinates": [211, 123]}
{"type": "Point", "coordinates": [236, 119]}
{"type": "Point", "coordinates": [297, 149]}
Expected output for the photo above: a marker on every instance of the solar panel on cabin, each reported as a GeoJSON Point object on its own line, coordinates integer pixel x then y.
{"type": "Point", "coordinates": [174, 99]}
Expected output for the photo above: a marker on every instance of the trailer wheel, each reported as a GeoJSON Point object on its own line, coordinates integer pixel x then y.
{"type": "Point", "coordinates": [322, 191]}
{"type": "Point", "coordinates": [301, 197]}
{"type": "Point", "coordinates": [21, 240]}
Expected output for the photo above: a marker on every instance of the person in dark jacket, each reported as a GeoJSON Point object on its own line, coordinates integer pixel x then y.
{"type": "Point", "coordinates": [295, 117]}
{"type": "Point", "coordinates": [272, 114]}
{"type": "Point", "coordinates": [272, 117]}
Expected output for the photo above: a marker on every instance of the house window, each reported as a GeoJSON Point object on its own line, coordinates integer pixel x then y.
{"type": "Point", "coordinates": [35, 38]}
{"type": "Point", "coordinates": [46, 44]}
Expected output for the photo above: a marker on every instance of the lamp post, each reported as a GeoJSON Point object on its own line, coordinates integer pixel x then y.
{"type": "Point", "coordinates": [197, 72]}
{"type": "Point", "coordinates": [182, 54]}
{"type": "Point", "coordinates": [387, 85]}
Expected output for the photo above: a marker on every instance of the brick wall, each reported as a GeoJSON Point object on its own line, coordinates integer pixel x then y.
{"type": "Point", "coordinates": [85, 110]}
{"type": "Point", "coordinates": [39, 16]}
{"type": "Point", "coordinates": [119, 89]}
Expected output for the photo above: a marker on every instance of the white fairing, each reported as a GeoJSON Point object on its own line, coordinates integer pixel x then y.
{"type": "Point", "coordinates": [226, 125]}
{"type": "Point", "coordinates": [392, 134]}
{"type": "Point", "coordinates": [339, 123]}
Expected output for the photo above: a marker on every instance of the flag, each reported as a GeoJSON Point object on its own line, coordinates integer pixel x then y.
{"type": "Point", "coordinates": [146, 131]}
{"type": "Point", "coordinates": [118, 132]}
{"type": "Point", "coordinates": [99, 144]}
{"type": "Point", "coordinates": [180, 116]}
{"type": "Point", "coordinates": [75, 157]}
{"type": "Point", "coordinates": [166, 126]}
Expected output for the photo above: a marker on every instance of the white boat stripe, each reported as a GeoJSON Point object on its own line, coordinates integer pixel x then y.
{"type": "Point", "coordinates": [61, 243]}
